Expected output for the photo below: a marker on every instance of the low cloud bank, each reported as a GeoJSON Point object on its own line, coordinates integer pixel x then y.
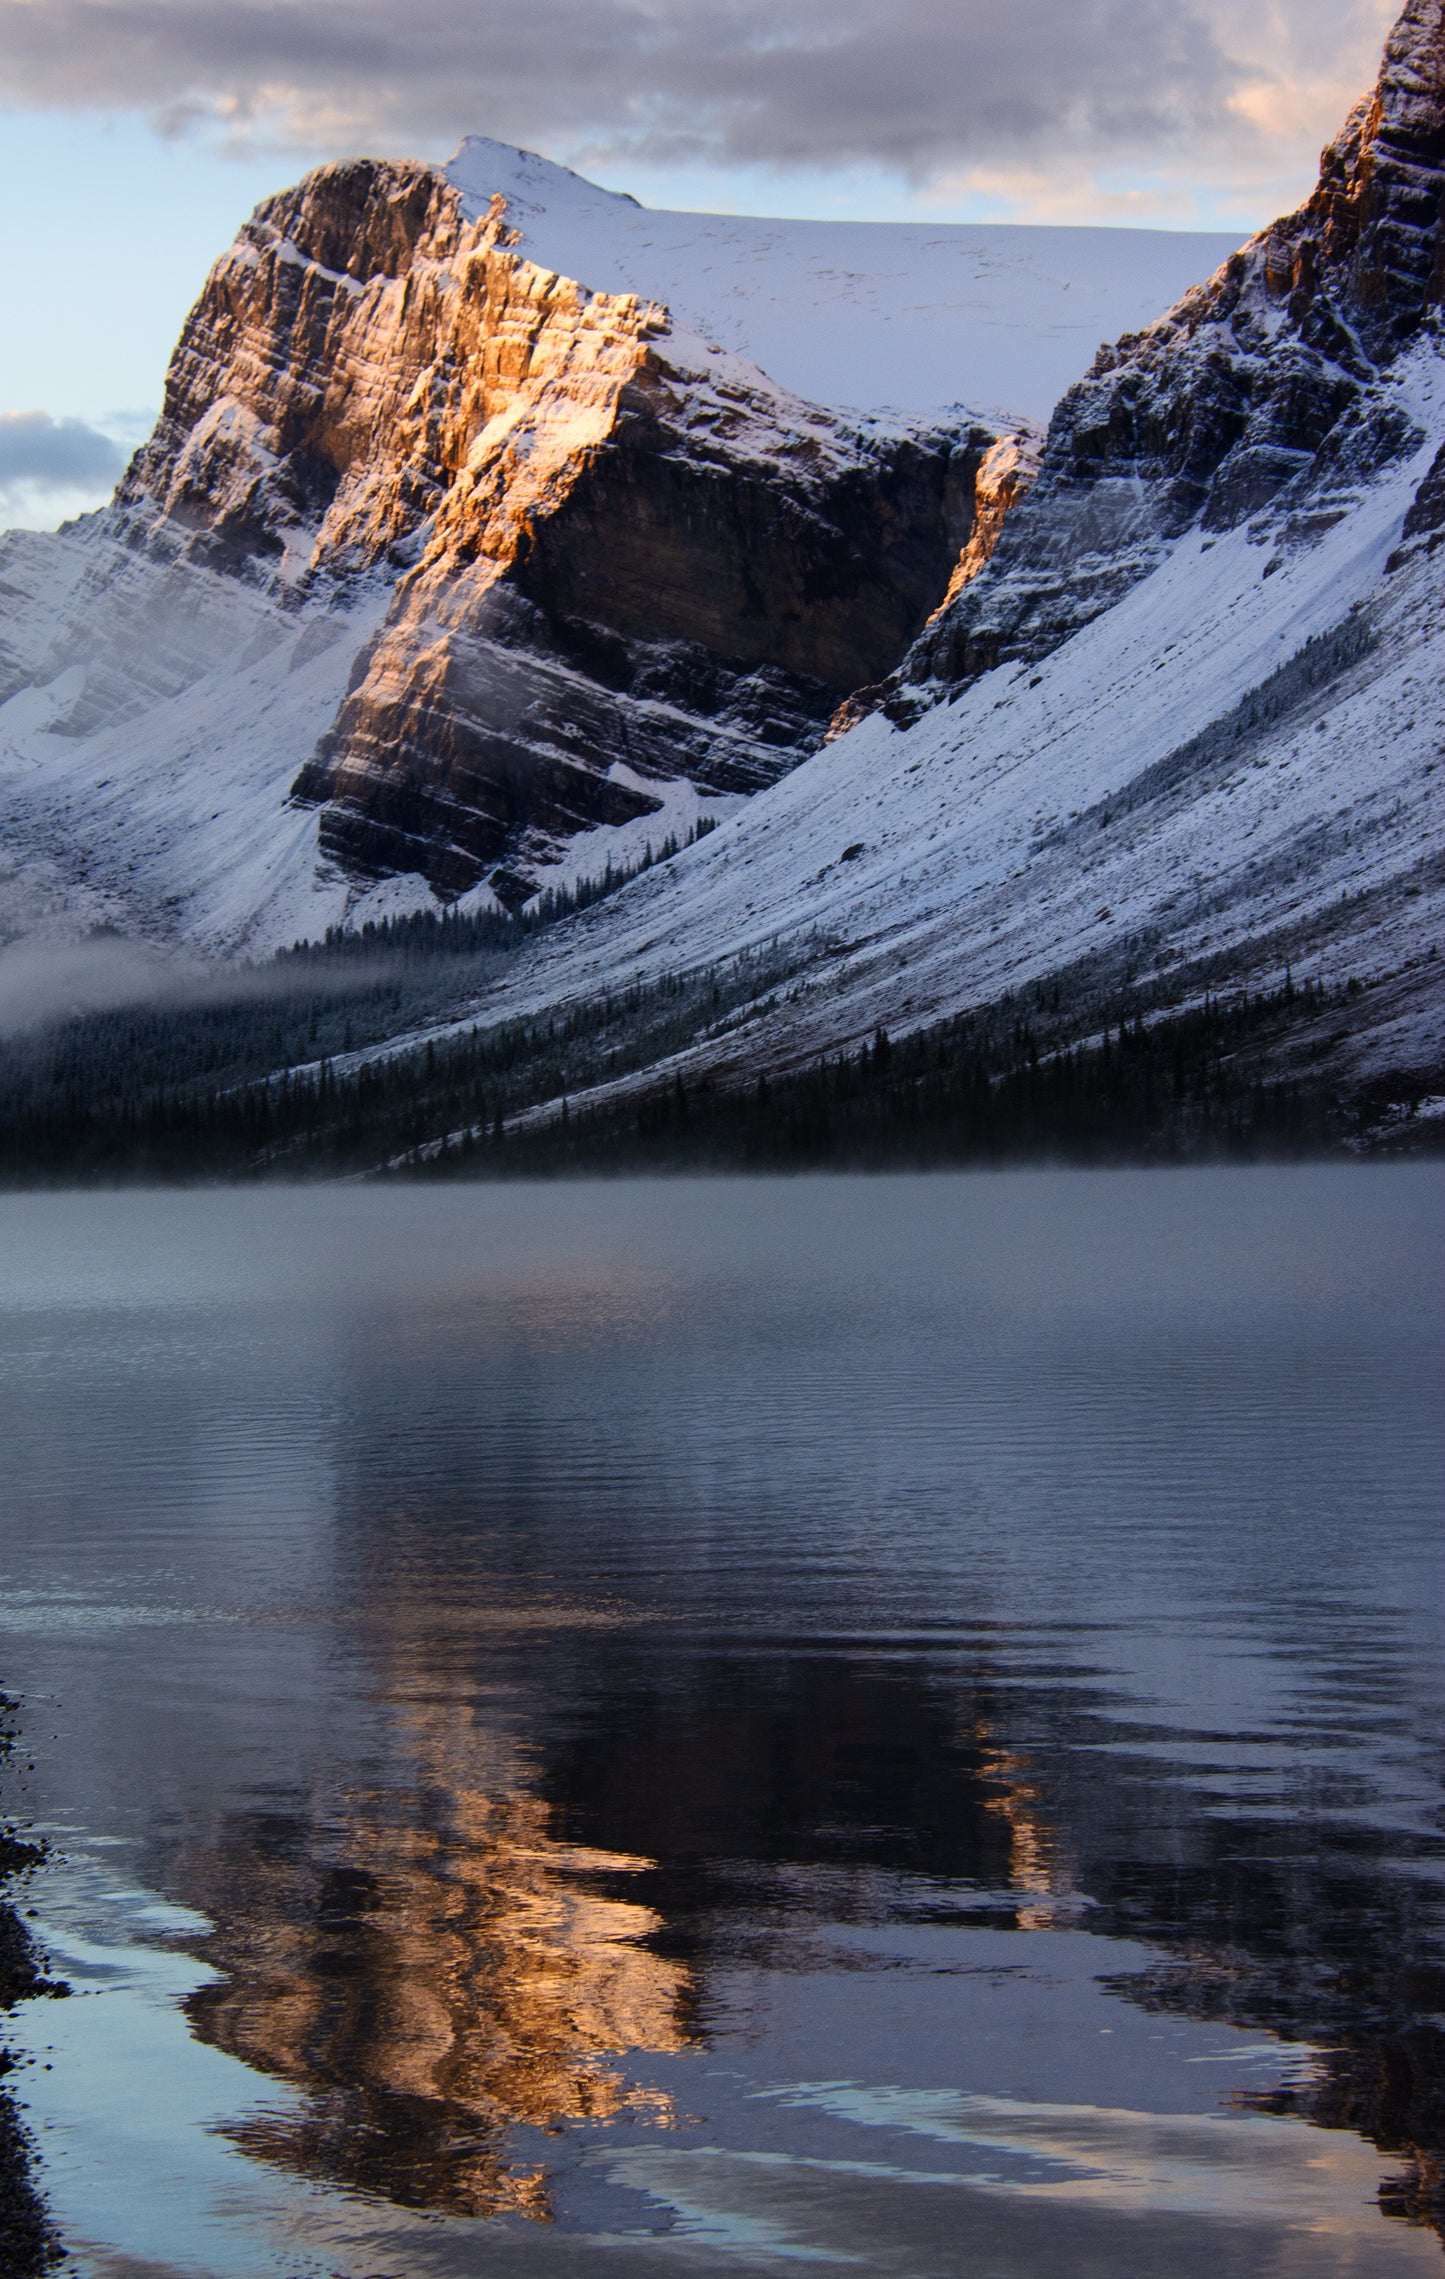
{"type": "Point", "coordinates": [64, 453]}
{"type": "Point", "coordinates": [45, 980]}
{"type": "Point", "coordinates": [49, 467]}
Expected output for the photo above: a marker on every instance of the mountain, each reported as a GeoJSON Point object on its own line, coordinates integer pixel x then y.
{"type": "Point", "coordinates": [1183, 730]}
{"type": "Point", "coordinates": [474, 579]}
{"type": "Point", "coordinates": [443, 555]}
{"type": "Point", "coordinates": [1264, 397]}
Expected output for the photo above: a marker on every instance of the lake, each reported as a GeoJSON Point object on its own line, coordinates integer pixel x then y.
{"type": "Point", "coordinates": [718, 1726]}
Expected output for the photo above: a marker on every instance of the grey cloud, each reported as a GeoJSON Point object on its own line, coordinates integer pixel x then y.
{"type": "Point", "coordinates": [918, 86]}
{"type": "Point", "coordinates": [45, 454]}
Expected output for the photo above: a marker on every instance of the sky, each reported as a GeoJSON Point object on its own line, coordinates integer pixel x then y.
{"type": "Point", "coordinates": [136, 135]}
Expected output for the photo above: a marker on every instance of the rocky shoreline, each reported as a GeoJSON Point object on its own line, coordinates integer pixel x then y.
{"type": "Point", "coordinates": [28, 2242]}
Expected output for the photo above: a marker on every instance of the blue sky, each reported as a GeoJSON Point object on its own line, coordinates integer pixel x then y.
{"type": "Point", "coordinates": [133, 142]}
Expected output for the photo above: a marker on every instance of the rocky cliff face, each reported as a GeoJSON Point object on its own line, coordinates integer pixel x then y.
{"type": "Point", "coordinates": [692, 593]}
{"type": "Point", "coordinates": [618, 555]}
{"type": "Point", "coordinates": [1264, 395]}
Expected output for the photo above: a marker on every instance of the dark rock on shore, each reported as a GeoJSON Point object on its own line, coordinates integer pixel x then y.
{"type": "Point", "coordinates": [28, 2242]}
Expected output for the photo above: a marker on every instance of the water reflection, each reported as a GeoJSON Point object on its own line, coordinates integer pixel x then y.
{"type": "Point", "coordinates": [752, 1718]}
{"type": "Point", "coordinates": [432, 1967]}
{"type": "Point", "coordinates": [501, 1934]}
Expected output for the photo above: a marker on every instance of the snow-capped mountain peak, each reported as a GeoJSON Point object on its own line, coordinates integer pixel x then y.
{"type": "Point", "coordinates": [496, 527]}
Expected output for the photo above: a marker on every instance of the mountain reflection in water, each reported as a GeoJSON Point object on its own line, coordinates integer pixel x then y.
{"type": "Point", "coordinates": [432, 1967]}
{"type": "Point", "coordinates": [438, 1961]}
{"type": "Point", "coordinates": [719, 1669]}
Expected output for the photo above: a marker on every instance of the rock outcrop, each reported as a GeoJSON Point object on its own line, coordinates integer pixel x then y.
{"type": "Point", "coordinates": [1263, 393]}
{"type": "Point", "coordinates": [618, 554]}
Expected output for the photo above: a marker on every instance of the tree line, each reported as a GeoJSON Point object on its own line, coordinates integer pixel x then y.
{"type": "Point", "coordinates": [988, 1088]}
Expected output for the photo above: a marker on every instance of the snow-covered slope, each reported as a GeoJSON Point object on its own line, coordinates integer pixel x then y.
{"type": "Point", "coordinates": [873, 315]}
{"type": "Point", "coordinates": [1228, 773]}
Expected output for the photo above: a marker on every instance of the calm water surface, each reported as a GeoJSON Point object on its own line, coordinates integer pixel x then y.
{"type": "Point", "coordinates": [885, 1726]}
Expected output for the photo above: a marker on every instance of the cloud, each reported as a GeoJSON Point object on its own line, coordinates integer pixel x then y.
{"type": "Point", "coordinates": [57, 454]}
{"type": "Point", "coordinates": [50, 468]}
{"type": "Point", "coordinates": [932, 91]}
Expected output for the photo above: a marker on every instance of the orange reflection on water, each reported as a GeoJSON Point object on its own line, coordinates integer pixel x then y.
{"type": "Point", "coordinates": [432, 1968]}
{"type": "Point", "coordinates": [1041, 1867]}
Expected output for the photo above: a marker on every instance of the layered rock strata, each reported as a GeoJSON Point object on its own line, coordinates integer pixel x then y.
{"type": "Point", "coordinates": [700, 585]}
{"type": "Point", "coordinates": [1263, 394]}
{"type": "Point", "coordinates": [614, 553]}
